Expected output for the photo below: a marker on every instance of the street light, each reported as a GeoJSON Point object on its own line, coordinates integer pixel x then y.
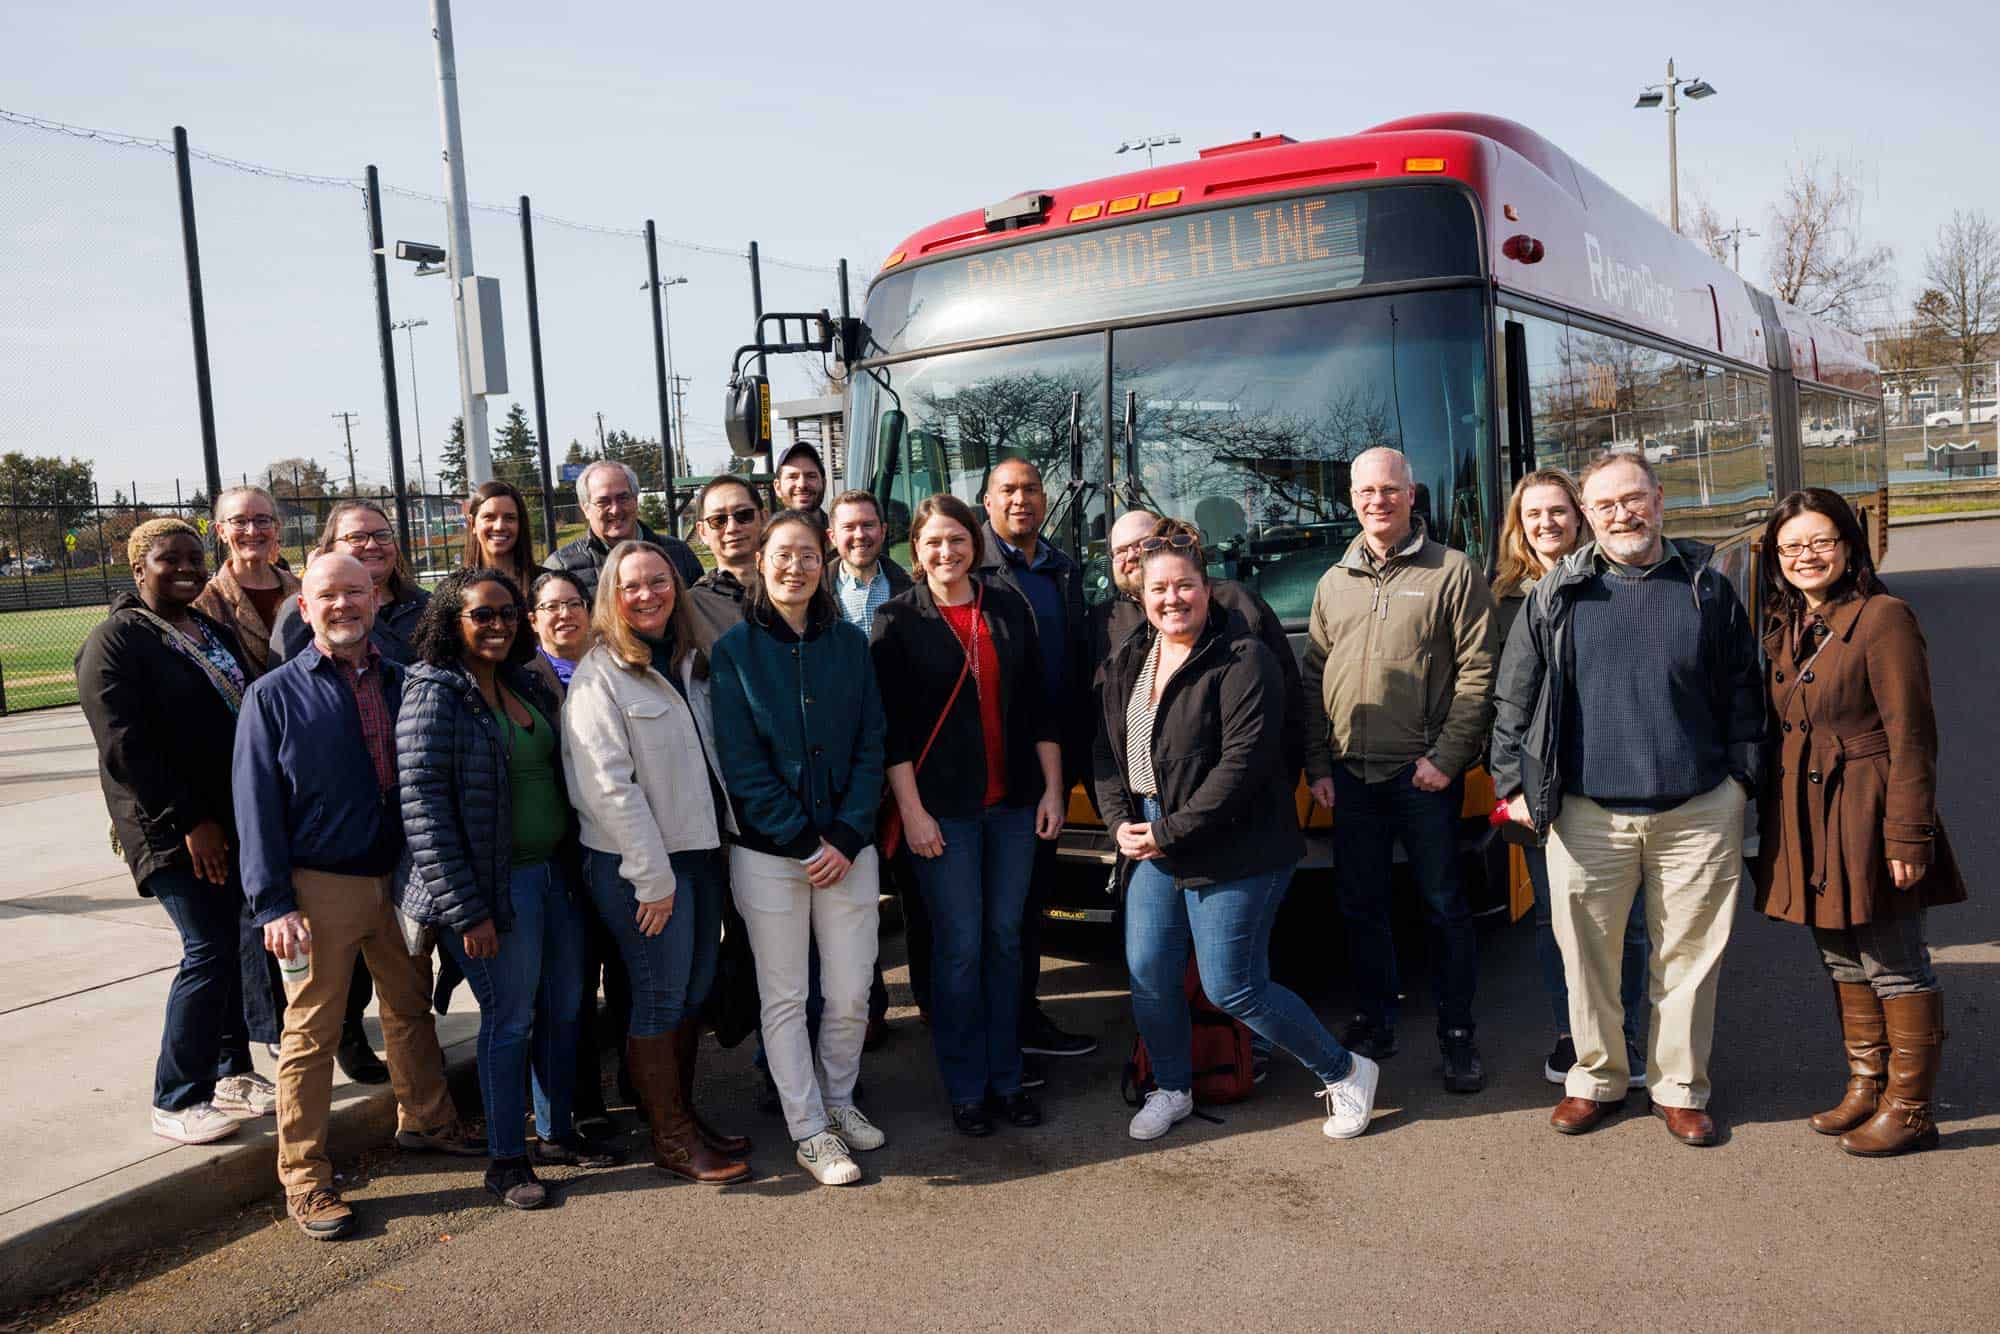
{"type": "Point", "coordinates": [1149, 143]}
{"type": "Point", "coordinates": [667, 322]}
{"type": "Point", "coordinates": [417, 419]}
{"type": "Point", "coordinates": [1656, 94]}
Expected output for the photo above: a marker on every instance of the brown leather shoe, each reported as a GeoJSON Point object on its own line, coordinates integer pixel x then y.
{"type": "Point", "coordinates": [1916, 1045]}
{"type": "Point", "coordinates": [1580, 1116]}
{"type": "Point", "coordinates": [677, 1147]}
{"type": "Point", "coordinates": [1867, 1044]}
{"type": "Point", "coordinates": [1689, 1125]}
{"type": "Point", "coordinates": [687, 1048]}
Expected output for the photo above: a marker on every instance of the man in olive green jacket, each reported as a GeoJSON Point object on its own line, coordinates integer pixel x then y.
{"type": "Point", "coordinates": [1406, 625]}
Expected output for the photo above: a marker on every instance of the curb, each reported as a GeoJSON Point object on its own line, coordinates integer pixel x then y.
{"type": "Point", "coordinates": [67, 1237]}
{"type": "Point", "coordinates": [1950, 516]}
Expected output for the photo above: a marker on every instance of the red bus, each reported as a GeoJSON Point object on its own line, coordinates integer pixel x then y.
{"type": "Point", "coordinates": [1216, 339]}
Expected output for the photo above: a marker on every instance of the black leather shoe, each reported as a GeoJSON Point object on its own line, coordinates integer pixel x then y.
{"type": "Point", "coordinates": [1019, 1107]}
{"type": "Point", "coordinates": [595, 1125]}
{"type": "Point", "coordinates": [576, 1151]}
{"type": "Point", "coordinates": [970, 1118]}
{"type": "Point", "coordinates": [1034, 1074]}
{"type": "Point", "coordinates": [1463, 1070]}
{"type": "Point", "coordinates": [358, 1060]}
{"type": "Point", "coordinates": [1365, 1037]}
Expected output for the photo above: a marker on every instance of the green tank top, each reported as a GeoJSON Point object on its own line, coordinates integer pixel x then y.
{"type": "Point", "coordinates": [540, 814]}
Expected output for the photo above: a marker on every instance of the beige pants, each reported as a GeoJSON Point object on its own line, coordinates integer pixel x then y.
{"type": "Point", "coordinates": [349, 915]}
{"type": "Point", "coordinates": [1689, 864]}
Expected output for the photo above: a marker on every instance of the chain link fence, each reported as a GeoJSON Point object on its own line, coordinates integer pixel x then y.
{"type": "Point", "coordinates": [1935, 432]}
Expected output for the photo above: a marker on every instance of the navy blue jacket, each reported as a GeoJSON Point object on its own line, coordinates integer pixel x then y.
{"type": "Point", "coordinates": [303, 784]}
{"type": "Point", "coordinates": [457, 802]}
{"type": "Point", "coordinates": [798, 732]}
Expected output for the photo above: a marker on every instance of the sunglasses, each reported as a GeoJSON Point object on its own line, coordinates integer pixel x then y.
{"type": "Point", "coordinates": [1170, 542]}
{"type": "Point", "coordinates": [744, 517]}
{"type": "Point", "coordinates": [487, 617]}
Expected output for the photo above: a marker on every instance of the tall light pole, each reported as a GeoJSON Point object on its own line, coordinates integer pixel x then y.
{"type": "Point", "coordinates": [458, 256]}
{"type": "Point", "coordinates": [1735, 237]}
{"type": "Point", "coordinates": [667, 316]}
{"type": "Point", "coordinates": [409, 328]}
{"type": "Point", "coordinates": [1657, 94]}
{"type": "Point", "coordinates": [1147, 142]}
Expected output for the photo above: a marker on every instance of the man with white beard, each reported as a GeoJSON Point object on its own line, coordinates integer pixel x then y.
{"type": "Point", "coordinates": [1630, 709]}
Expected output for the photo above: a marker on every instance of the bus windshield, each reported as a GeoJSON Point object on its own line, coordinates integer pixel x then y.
{"type": "Point", "coordinates": [1244, 424]}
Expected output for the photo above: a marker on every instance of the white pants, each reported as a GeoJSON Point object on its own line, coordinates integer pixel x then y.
{"type": "Point", "coordinates": [786, 917]}
{"type": "Point", "coordinates": [1689, 864]}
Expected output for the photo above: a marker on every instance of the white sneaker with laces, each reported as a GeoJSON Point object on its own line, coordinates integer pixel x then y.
{"type": "Point", "coordinates": [825, 1156]}
{"type": "Point", "coordinates": [199, 1124]}
{"type": "Point", "coordinates": [251, 1093]}
{"type": "Point", "coordinates": [1163, 1108]}
{"type": "Point", "coordinates": [1350, 1102]}
{"type": "Point", "coordinates": [855, 1129]}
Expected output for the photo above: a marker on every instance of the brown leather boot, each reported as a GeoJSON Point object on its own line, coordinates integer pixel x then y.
{"type": "Point", "coordinates": [1916, 1042]}
{"type": "Point", "coordinates": [1867, 1044]}
{"type": "Point", "coordinates": [687, 1048]}
{"type": "Point", "coordinates": [676, 1147]}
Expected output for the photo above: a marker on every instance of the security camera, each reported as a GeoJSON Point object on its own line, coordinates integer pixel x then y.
{"type": "Point", "coordinates": [419, 252]}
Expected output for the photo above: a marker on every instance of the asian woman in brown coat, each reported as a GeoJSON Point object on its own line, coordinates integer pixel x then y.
{"type": "Point", "coordinates": [1851, 845]}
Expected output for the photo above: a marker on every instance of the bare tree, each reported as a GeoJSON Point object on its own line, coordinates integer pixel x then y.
{"type": "Point", "coordinates": [1701, 224]}
{"type": "Point", "coordinates": [1962, 307]}
{"type": "Point", "coordinates": [1818, 260]}
{"type": "Point", "coordinates": [1904, 349]}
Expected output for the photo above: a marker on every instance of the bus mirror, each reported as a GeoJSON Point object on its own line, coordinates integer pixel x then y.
{"type": "Point", "coordinates": [747, 416]}
{"type": "Point", "coordinates": [889, 437]}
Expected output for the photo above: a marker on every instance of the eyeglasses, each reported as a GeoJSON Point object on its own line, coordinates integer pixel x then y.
{"type": "Point", "coordinates": [659, 583]}
{"type": "Point", "coordinates": [611, 503]}
{"type": "Point", "coordinates": [744, 517]}
{"type": "Point", "coordinates": [794, 560]}
{"type": "Point", "coordinates": [561, 605]}
{"type": "Point", "coordinates": [1170, 542]}
{"type": "Point", "coordinates": [381, 537]}
{"type": "Point", "coordinates": [1638, 502]}
{"type": "Point", "coordinates": [486, 617]}
{"type": "Point", "coordinates": [1380, 492]}
{"type": "Point", "coordinates": [1819, 546]}
{"type": "Point", "coordinates": [239, 523]}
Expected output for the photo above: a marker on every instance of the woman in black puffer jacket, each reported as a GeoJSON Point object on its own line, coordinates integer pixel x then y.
{"type": "Point", "coordinates": [490, 838]}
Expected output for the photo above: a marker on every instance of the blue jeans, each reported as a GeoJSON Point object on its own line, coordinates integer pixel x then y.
{"type": "Point", "coordinates": [671, 972]}
{"type": "Point", "coordinates": [528, 998]}
{"type": "Point", "coordinates": [1632, 980]}
{"type": "Point", "coordinates": [1367, 819]}
{"type": "Point", "coordinates": [974, 892]}
{"type": "Point", "coordinates": [1229, 927]}
{"type": "Point", "coordinates": [205, 1037]}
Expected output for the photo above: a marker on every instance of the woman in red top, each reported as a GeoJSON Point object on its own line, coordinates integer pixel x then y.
{"type": "Point", "coordinates": [976, 772]}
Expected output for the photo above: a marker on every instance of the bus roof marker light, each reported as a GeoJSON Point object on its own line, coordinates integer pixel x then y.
{"type": "Point", "coordinates": [1162, 198]}
{"type": "Point", "coordinates": [1123, 204]}
{"type": "Point", "coordinates": [1085, 212]}
{"type": "Point", "coordinates": [1414, 165]}
{"type": "Point", "coordinates": [894, 260]}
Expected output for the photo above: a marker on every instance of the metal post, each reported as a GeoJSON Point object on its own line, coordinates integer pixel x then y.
{"type": "Point", "coordinates": [535, 359]}
{"type": "Point", "coordinates": [1673, 155]}
{"type": "Point", "coordinates": [757, 297]}
{"type": "Point", "coordinates": [681, 465]}
{"type": "Point", "coordinates": [458, 255]}
{"type": "Point", "coordinates": [103, 556]}
{"type": "Point", "coordinates": [385, 338]}
{"type": "Point", "coordinates": [204, 392]}
{"type": "Point", "coordinates": [347, 425]}
{"type": "Point", "coordinates": [660, 365]}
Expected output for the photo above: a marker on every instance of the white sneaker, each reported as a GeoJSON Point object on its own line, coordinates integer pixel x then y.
{"type": "Point", "coordinates": [199, 1124]}
{"type": "Point", "coordinates": [825, 1156]}
{"type": "Point", "coordinates": [1350, 1102]}
{"type": "Point", "coordinates": [1163, 1108]}
{"type": "Point", "coordinates": [251, 1093]}
{"type": "Point", "coordinates": [856, 1130]}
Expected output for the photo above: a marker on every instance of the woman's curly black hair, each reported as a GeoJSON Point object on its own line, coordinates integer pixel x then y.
{"type": "Point", "coordinates": [439, 641]}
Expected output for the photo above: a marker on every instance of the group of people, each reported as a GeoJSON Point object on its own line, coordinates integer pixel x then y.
{"type": "Point", "coordinates": [587, 773]}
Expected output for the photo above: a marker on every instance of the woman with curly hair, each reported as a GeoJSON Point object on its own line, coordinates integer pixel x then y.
{"type": "Point", "coordinates": [489, 833]}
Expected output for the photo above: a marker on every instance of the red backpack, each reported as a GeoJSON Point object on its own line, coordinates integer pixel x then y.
{"type": "Point", "coordinates": [1223, 1069]}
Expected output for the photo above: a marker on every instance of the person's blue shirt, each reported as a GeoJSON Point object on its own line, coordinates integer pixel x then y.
{"type": "Point", "coordinates": [1042, 588]}
{"type": "Point", "coordinates": [304, 786]}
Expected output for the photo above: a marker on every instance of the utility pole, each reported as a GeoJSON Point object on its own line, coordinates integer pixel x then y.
{"type": "Point", "coordinates": [600, 435]}
{"type": "Point", "coordinates": [681, 382]}
{"type": "Point", "coordinates": [1735, 237]}
{"type": "Point", "coordinates": [458, 255]}
{"type": "Point", "coordinates": [347, 424]}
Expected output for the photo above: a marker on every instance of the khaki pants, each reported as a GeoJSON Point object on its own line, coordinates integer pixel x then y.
{"type": "Point", "coordinates": [349, 915]}
{"type": "Point", "coordinates": [1689, 864]}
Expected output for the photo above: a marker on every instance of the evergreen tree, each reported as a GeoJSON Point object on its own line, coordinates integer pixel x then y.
{"type": "Point", "coordinates": [451, 463]}
{"type": "Point", "coordinates": [516, 455]}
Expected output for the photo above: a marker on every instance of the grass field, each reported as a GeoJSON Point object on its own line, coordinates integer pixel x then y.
{"type": "Point", "coordinates": [37, 649]}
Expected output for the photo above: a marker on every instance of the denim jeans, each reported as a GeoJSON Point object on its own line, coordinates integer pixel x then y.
{"type": "Point", "coordinates": [670, 973]}
{"type": "Point", "coordinates": [1632, 981]}
{"type": "Point", "coordinates": [973, 894]}
{"type": "Point", "coordinates": [1229, 927]}
{"type": "Point", "coordinates": [263, 987]}
{"type": "Point", "coordinates": [528, 998]}
{"type": "Point", "coordinates": [1367, 819]}
{"type": "Point", "coordinates": [204, 1037]}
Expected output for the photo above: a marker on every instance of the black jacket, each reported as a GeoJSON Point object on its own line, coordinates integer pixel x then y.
{"type": "Point", "coordinates": [163, 734]}
{"type": "Point", "coordinates": [1075, 718]}
{"type": "Point", "coordinates": [583, 559]}
{"type": "Point", "coordinates": [1538, 661]}
{"type": "Point", "coordinates": [1116, 620]}
{"type": "Point", "coordinates": [458, 809]}
{"type": "Point", "coordinates": [1225, 788]}
{"type": "Point", "coordinates": [917, 661]}
{"type": "Point", "coordinates": [394, 625]}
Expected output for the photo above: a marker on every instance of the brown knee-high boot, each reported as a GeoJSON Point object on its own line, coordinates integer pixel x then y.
{"type": "Point", "coordinates": [1916, 1043]}
{"type": "Point", "coordinates": [677, 1148]}
{"type": "Point", "coordinates": [687, 1040]}
{"type": "Point", "coordinates": [1867, 1044]}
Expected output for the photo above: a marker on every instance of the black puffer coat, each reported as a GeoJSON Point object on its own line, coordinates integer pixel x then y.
{"type": "Point", "coordinates": [458, 808]}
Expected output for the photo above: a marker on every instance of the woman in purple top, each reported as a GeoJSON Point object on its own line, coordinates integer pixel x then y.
{"type": "Point", "coordinates": [561, 618]}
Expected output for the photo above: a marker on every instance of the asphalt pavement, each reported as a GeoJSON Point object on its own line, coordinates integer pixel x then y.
{"type": "Point", "coordinates": [1452, 1212]}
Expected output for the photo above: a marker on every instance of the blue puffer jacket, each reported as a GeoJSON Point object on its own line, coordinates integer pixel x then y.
{"type": "Point", "coordinates": [458, 808]}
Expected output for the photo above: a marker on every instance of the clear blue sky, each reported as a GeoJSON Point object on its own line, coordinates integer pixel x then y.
{"type": "Point", "coordinates": [834, 134]}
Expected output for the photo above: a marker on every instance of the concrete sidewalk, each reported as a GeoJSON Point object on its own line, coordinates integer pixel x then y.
{"type": "Point", "coordinates": [85, 964]}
